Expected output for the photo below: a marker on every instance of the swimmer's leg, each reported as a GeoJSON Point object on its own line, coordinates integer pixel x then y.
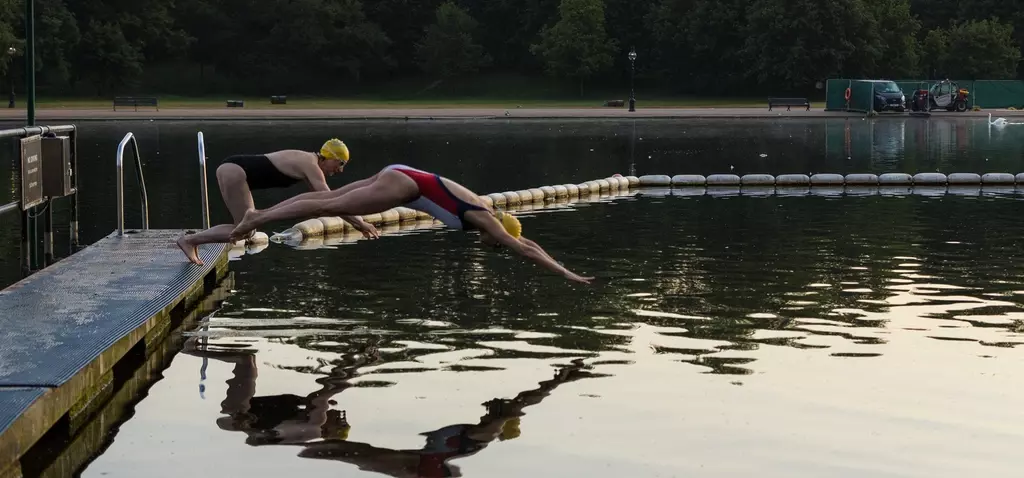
{"type": "Point", "coordinates": [391, 189]}
{"type": "Point", "coordinates": [237, 197]}
{"type": "Point", "coordinates": [325, 195]}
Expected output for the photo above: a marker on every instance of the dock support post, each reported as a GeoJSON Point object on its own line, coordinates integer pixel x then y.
{"type": "Point", "coordinates": [74, 224]}
{"type": "Point", "coordinates": [48, 234]}
{"type": "Point", "coordinates": [26, 246]}
{"type": "Point", "coordinates": [73, 213]}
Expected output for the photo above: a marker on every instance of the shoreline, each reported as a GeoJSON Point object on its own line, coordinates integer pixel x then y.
{"type": "Point", "coordinates": [226, 114]}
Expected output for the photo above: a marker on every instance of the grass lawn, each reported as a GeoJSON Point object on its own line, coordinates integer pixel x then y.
{"type": "Point", "coordinates": [374, 103]}
{"type": "Point", "coordinates": [494, 91]}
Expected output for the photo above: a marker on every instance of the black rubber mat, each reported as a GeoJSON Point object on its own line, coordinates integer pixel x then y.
{"type": "Point", "coordinates": [60, 319]}
{"type": "Point", "coordinates": [14, 402]}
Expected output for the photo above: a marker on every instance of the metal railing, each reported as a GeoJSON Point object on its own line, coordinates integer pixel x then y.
{"type": "Point", "coordinates": [32, 131]}
{"type": "Point", "coordinates": [120, 184]}
{"type": "Point", "coordinates": [29, 220]}
{"type": "Point", "coordinates": [203, 196]}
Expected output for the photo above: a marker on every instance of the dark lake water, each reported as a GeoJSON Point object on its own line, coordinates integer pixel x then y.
{"type": "Point", "coordinates": [724, 336]}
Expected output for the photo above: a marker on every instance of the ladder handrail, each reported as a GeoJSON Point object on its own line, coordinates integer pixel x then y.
{"type": "Point", "coordinates": [204, 197]}
{"type": "Point", "coordinates": [120, 184]}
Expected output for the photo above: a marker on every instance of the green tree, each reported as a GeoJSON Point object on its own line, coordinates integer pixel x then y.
{"type": "Point", "coordinates": [147, 25]}
{"type": "Point", "coordinates": [982, 49]}
{"type": "Point", "coordinates": [935, 14]}
{"type": "Point", "coordinates": [8, 37]}
{"type": "Point", "coordinates": [106, 57]}
{"type": "Point", "coordinates": [448, 47]}
{"type": "Point", "coordinates": [791, 44]}
{"type": "Point", "coordinates": [1006, 11]}
{"type": "Point", "coordinates": [708, 33]}
{"type": "Point", "coordinates": [57, 38]}
{"type": "Point", "coordinates": [979, 49]}
{"type": "Point", "coordinates": [577, 46]}
{"type": "Point", "coordinates": [511, 27]}
{"type": "Point", "coordinates": [898, 30]}
{"type": "Point", "coordinates": [402, 23]}
{"type": "Point", "coordinates": [626, 20]}
{"type": "Point", "coordinates": [209, 26]}
{"type": "Point", "coordinates": [935, 47]}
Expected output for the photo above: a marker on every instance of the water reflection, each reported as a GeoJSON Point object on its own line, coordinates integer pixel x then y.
{"type": "Point", "coordinates": [321, 432]}
{"type": "Point", "coordinates": [866, 313]}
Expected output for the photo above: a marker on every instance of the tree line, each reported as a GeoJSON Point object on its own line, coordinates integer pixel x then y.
{"type": "Point", "coordinates": [105, 47]}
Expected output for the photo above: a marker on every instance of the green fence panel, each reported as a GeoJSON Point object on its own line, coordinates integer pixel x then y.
{"type": "Point", "coordinates": [835, 95]}
{"type": "Point", "coordinates": [835, 90]}
{"type": "Point", "coordinates": [982, 93]}
{"type": "Point", "coordinates": [863, 96]}
{"type": "Point", "coordinates": [998, 93]}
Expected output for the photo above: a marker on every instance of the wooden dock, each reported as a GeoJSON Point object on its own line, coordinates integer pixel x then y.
{"type": "Point", "coordinates": [73, 331]}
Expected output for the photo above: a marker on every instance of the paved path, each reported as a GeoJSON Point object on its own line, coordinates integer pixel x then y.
{"type": "Point", "coordinates": [83, 114]}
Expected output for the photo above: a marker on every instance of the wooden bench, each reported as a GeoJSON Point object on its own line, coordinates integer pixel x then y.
{"type": "Point", "coordinates": [136, 102]}
{"type": "Point", "coordinates": [789, 103]}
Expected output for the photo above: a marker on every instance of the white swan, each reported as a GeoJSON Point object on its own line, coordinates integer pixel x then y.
{"type": "Point", "coordinates": [997, 122]}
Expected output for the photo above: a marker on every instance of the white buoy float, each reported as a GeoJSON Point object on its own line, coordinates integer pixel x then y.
{"type": "Point", "coordinates": [928, 184]}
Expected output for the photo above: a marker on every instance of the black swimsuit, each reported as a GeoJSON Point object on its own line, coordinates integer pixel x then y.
{"type": "Point", "coordinates": [260, 173]}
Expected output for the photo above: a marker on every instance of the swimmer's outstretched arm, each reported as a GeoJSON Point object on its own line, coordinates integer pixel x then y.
{"type": "Point", "coordinates": [533, 251]}
{"type": "Point", "coordinates": [528, 248]}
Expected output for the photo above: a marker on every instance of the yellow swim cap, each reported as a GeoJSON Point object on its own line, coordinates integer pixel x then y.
{"type": "Point", "coordinates": [510, 430]}
{"type": "Point", "coordinates": [334, 149]}
{"type": "Point", "coordinates": [510, 223]}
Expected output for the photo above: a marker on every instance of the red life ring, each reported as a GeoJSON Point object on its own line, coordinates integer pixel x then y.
{"type": "Point", "coordinates": [847, 94]}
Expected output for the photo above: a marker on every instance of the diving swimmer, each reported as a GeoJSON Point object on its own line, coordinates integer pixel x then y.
{"type": "Point", "coordinates": [400, 185]}
{"type": "Point", "coordinates": [239, 175]}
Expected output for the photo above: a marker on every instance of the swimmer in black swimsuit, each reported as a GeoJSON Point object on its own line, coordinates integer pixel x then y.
{"type": "Point", "coordinates": [239, 175]}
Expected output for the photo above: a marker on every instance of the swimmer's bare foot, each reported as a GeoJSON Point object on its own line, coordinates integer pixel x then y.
{"type": "Point", "coordinates": [191, 252]}
{"type": "Point", "coordinates": [244, 227]}
{"type": "Point", "coordinates": [195, 250]}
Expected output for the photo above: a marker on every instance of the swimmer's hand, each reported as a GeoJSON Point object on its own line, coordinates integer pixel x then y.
{"type": "Point", "coordinates": [577, 278]}
{"type": "Point", "coordinates": [368, 230]}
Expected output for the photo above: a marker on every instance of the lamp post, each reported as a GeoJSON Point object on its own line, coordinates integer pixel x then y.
{"type": "Point", "coordinates": [632, 98]}
{"type": "Point", "coordinates": [11, 51]}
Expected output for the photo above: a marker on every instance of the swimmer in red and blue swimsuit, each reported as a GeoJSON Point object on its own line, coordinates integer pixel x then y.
{"type": "Point", "coordinates": [399, 185]}
{"type": "Point", "coordinates": [436, 199]}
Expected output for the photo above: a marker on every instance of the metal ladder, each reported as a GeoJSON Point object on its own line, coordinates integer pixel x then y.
{"type": "Point", "coordinates": [130, 138]}
{"type": "Point", "coordinates": [204, 198]}
{"type": "Point", "coordinates": [120, 183]}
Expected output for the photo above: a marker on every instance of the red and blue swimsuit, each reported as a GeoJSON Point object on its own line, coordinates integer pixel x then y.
{"type": "Point", "coordinates": [435, 198]}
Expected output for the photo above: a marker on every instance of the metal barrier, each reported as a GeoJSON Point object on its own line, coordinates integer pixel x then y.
{"type": "Point", "coordinates": [120, 184]}
{"type": "Point", "coordinates": [204, 197]}
{"type": "Point", "coordinates": [29, 226]}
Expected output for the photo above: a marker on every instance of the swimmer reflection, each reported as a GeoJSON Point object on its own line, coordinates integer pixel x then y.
{"type": "Point", "coordinates": [297, 421]}
{"type": "Point", "coordinates": [286, 418]}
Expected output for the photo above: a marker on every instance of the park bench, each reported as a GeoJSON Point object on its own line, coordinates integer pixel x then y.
{"type": "Point", "coordinates": [135, 101]}
{"type": "Point", "coordinates": [788, 103]}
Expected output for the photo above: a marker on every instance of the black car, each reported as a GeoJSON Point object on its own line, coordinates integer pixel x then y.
{"type": "Point", "coordinates": [888, 96]}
